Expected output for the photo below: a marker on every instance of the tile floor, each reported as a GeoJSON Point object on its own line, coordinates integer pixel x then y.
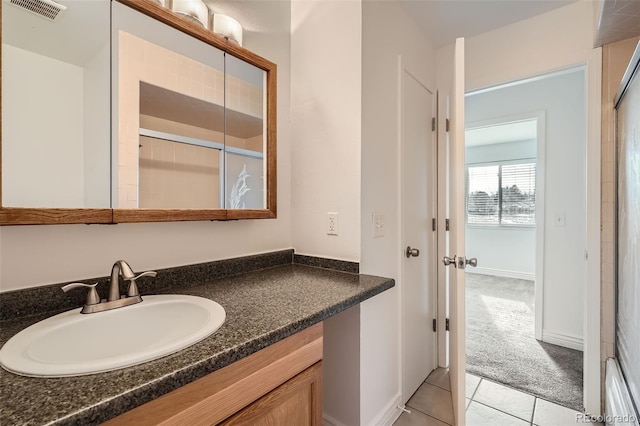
{"type": "Point", "coordinates": [488, 404]}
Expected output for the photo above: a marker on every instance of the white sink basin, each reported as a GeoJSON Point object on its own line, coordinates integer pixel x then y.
{"type": "Point", "coordinates": [74, 344]}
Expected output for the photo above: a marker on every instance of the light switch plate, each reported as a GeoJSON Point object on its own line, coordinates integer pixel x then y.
{"type": "Point", "coordinates": [378, 225]}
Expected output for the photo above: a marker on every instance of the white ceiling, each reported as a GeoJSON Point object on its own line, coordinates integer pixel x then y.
{"type": "Point", "coordinates": [442, 20]}
{"type": "Point", "coordinates": [166, 104]}
{"type": "Point", "coordinates": [445, 20]}
{"type": "Point", "coordinates": [501, 133]}
{"type": "Point", "coordinates": [618, 20]}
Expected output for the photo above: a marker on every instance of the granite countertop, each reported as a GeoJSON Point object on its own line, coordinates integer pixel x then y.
{"type": "Point", "coordinates": [262, 307]}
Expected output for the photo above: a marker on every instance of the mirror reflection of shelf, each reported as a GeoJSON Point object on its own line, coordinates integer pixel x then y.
{"type": "Point", "coordinates": [168, 105]}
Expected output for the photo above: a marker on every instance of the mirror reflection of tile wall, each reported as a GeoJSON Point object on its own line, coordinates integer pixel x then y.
{"type": "Point", "coordinates": [164, 91]}
{"type": "Point", "coordinates": [167, 168]}
{"type": "Point", "coordinates": [245, 127]}
{"type": "Point", "coordinates": [143, 61]}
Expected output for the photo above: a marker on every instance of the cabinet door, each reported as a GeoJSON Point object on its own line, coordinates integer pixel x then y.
{"type": "Point", "coordinates": [297, 402]}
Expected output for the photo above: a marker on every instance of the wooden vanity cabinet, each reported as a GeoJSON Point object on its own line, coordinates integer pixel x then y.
{"type": "Point", "coordinates": [278, 385]}
{"type": "Point", "coordinates": [296, 402]}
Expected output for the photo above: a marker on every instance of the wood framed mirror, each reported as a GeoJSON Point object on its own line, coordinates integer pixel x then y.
{"type": "Point", "coordinates": [180, 151]}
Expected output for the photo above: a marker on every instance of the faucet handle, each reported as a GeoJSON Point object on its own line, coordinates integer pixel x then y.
{"type": "Point", "coordinates": [145, 274]}
{"type": "Point", "coordinates": [132, 291]}
{"type": "Point", "coordinates": [92, 295]}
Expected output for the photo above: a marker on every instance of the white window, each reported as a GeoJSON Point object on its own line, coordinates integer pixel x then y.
{"type": "Point", "coordinates": [501, 194]}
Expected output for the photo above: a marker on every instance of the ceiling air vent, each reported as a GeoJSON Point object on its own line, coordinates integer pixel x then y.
{"type": "Point", "coordinates": [45, 8]}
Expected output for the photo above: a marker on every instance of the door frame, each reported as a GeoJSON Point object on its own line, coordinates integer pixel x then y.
{"type": "Point", "coordinates": [592, 363]}
{"type": "Point", "coordinates": [442, 114]}
{"type": "Point", "coordinates": [402, 68]}
{"type": "Point", "coordinates": [592, 375]}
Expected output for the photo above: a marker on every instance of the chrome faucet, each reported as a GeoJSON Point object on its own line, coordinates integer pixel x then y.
{"type": "Point", "coordinates": [122, 268]}
{"type": "Point", "coordinates": [113, 300]}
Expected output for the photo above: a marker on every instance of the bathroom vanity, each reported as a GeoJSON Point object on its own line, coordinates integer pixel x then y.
{"type": "Point", "coordinates": [281, 384]}
{"type": "Point", "coordinates": [265, 361]}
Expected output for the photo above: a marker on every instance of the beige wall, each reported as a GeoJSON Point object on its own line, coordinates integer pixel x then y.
{"type": "Point", "coordinates": [326, 79]}
{"type": "Point", "coordinates": [615, 57]}
{"type": "Point", "coordinates": [544, 43]}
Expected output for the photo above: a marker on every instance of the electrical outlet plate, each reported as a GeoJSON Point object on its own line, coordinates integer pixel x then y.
{"type": "Point", "coordinates": [332, 223]}
{"type": "Point", "coordinates": [378, 225]}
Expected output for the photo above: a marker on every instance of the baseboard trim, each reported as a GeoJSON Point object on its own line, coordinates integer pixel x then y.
{"type": "Point", "coordinates": [389, 413]}
{"type": "Point", "coordinates": [386, 417]}
{"type": "Point", "coordinates": [564, 340]}
{"type": "Point", "coordinates": [330, 421]}
{"type": "Point", "coordinates": [501, 273]}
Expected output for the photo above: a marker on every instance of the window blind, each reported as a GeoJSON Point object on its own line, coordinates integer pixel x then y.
{"type": "Point", "coordinates": [501, 194]}
{"type": "Point", "coordinates": [519, 194]}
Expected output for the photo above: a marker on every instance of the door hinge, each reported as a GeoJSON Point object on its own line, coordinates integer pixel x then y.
{"type": "Point", "coordinates": [446, 324]}
{"type": "Point", "coordinates": [433, 124]}
{"type": "Point", "coordinates": [447, 124]}
{"type": "Point", "coordinates": [433, 224]}
{"type": "Point", "coordinates": [446, 224]}
{"type": "Point", "coordinates": [434, 325]}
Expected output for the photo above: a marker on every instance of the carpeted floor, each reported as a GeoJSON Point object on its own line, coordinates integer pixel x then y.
{"type": "Point", "coordinates": [501, 345]}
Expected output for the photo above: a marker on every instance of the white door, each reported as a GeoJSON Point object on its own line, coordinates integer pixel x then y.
{"type": "Point", "coordinates": [456, 236]}
{"type": "Point", "coordinates": [418, 192]}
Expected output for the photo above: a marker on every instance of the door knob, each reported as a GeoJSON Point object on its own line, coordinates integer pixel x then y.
{"type": "Point", "coordinates": [459, 262]}
{"type": "Point", "coordinates": [412, 252]}
{"type": "Point", "coordinates": [449, 261]}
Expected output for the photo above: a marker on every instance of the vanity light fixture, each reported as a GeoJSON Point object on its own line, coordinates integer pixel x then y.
{"type": "Point", "coordinates": [227, 27]}
{"type": "Point", "coordinates": [193, 10]}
